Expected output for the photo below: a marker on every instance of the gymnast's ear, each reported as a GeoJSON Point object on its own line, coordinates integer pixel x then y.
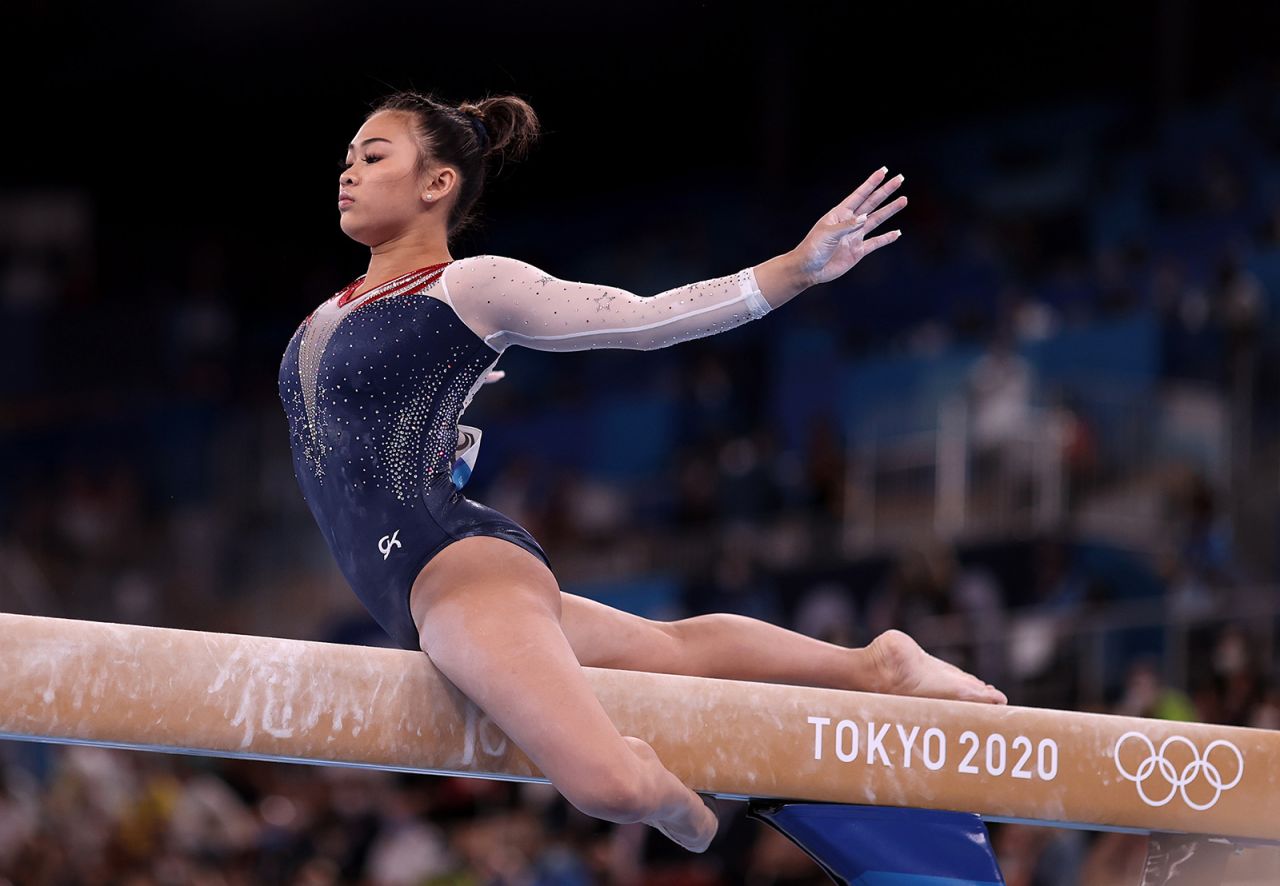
{"type": "Point", "coordinates": [438, 183]}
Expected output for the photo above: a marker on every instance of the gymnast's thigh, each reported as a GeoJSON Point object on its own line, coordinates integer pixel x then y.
{"type": "Point", "coordinates": [493, 572]}
{"type": "Point", "coordinates": [489, 612]}
{"type": "Point", "coordinates": [604, 637]}
{"type": "Point", "coordinates": [484, 570]}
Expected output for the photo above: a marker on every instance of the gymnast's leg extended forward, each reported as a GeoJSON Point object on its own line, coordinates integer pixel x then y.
{"type": "Point", "coordinates": [736, 647]}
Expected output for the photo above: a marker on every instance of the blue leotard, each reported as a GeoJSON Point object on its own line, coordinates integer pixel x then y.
{"type": "Point", "coordinates": [374, 385]}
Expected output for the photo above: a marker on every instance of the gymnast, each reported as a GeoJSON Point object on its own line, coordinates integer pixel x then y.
{"type": "Point", "coordinates": [374, 382]}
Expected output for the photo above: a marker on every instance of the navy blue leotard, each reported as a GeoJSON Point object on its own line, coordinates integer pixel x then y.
{"type": "Point", "coordinates": [374, 385]}
{"type": "Point", "coordinates": [373, 388]}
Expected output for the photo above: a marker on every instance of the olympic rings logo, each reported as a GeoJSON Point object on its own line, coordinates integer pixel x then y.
{"type": "Point", "coordinates": [1168, 772]}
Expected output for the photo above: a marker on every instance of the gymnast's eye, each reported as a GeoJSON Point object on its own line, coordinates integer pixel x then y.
{"type": "Point", "coordinates": [344, 165]}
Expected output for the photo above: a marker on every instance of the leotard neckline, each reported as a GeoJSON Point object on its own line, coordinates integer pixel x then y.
{"type": "Point", "coordinates": [348, 295]}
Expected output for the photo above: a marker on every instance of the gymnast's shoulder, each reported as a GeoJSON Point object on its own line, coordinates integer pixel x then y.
{"type": "Point", "coordinates": [493, 273]}
{"type": "Point", "coordinates": [494, 293]}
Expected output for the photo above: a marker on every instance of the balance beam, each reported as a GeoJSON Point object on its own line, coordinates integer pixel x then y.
{"type": "Point", "coordinates": [229, 695]}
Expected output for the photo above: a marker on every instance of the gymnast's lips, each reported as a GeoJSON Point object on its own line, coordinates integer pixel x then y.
{"type": "Point", "coordinates": [345, 199]}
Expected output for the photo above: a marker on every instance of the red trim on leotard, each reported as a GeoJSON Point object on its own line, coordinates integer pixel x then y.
{"type": "Point", "coordinates": [430, 272]}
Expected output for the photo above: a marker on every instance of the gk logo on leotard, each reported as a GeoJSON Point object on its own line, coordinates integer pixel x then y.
{"type": "Point", "coordinates": [387, 542]}
{"type": "Point", "coordinates": [1156, 765]}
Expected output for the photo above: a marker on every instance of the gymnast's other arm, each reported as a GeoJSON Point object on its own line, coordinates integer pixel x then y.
{"type": "Point", "coordinates": [507, 301]}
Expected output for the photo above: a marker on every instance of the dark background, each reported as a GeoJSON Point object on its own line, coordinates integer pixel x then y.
{"type": "Point", "coordinates": [227, 119]}
{"type": "Point", "coordinates": [218, 126]}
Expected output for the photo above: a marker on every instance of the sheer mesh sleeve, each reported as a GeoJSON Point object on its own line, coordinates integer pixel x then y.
{"type": "Point", "coordinates": [509, 302]}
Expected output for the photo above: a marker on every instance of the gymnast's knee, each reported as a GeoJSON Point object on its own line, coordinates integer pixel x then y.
{"type": "Point", "coordinates": [681, 629]}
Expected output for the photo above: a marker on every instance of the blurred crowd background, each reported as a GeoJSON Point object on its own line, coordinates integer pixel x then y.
{"type": "Point", "coordinates": [1041, 433]}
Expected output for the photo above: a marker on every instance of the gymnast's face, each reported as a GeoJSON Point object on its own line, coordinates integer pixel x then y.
{"type": "Point", "coordinates": [382, 180]}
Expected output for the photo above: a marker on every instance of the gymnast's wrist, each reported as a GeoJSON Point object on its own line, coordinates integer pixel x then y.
{"type": "Point", "coordinates": [781, 278]}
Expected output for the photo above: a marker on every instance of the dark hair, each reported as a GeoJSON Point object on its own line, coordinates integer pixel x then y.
{"type": "Point", "coordinates": [466, 137]}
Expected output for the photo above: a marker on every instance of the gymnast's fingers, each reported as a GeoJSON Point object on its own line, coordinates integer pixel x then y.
{"type": "Point", "coordinates": [876, 242]}
{"type": "Point", "coordinates": [869, 205]}
{"type": "Point", "coordinates": [851, 225]}
{"type": "Point", "coordinates": [856, 199]}
{"type": "Point", "coordinates": [880, 215]}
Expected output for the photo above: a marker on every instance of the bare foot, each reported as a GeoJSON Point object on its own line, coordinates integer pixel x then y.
{"type": "Point", "coordinates": [906, 669]}
{"type": "Point", "coordinates": [695, 837]}
{"type": "Point", "coordinates": [689, 820]}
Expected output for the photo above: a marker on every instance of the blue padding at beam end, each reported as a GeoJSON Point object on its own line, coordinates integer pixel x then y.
{"type": "Point", "coordinates": [884, 878]}
{"type": "Point", "coordinates": [889, 846]}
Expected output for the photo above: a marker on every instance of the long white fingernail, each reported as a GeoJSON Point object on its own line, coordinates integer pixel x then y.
{"type": "Point", "coordinates": [883, 169]}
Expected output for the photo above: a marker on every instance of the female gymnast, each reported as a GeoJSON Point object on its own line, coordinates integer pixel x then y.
{"type": "Point", "coordinates": [374, 382]}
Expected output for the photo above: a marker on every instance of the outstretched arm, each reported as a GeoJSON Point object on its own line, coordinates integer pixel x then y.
{"type": "Point", "coordinates": [510, 302]}
{"type": "Point", "coordinates": [507, 301]}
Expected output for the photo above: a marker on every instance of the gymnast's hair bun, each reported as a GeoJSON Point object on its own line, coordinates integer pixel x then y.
{"type": "Point", "coordinates": [510, 126]}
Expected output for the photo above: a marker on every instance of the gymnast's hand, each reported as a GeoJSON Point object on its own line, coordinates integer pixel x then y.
{"type": "Point", "coordinates": [491, 377]}
{"type": "Point", "coordinates": [838, 241]}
